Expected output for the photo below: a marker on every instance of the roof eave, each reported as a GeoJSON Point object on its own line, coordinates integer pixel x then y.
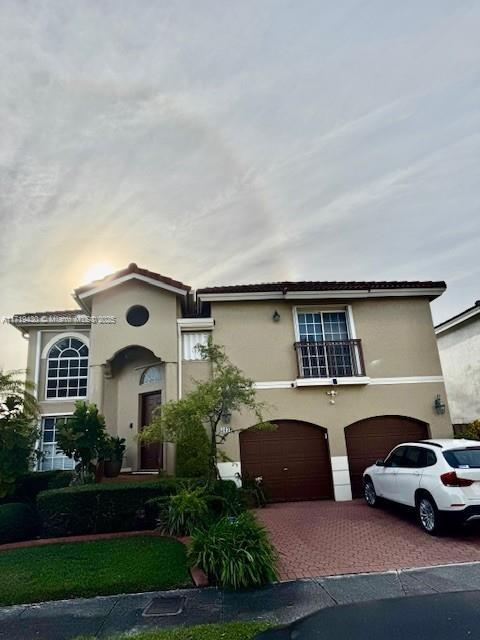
{"type": "Point", "coordinates": [430, 293]}
{"type": "Point", "coordinates": [457, 320]}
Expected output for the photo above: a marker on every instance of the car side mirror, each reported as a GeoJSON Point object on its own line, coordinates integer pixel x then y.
{"type": "Point", "coordinates": [380, 463]}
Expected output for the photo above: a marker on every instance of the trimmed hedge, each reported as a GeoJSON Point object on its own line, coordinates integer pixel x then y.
{"type": "Point", "coordinates": [31, 484]}
{"type": "Point", "coordinates": [101, 508]}
{"type": "Point", "coordinates": [18, 522]}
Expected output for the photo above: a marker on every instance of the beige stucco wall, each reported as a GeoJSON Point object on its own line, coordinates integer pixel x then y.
{"type": "Point", "coordinates": [397, 336]}
{"type": "Point", "coordinates": [352, 403]}
{"type": "Point", "coordinates": [159, 334]}
{"type": "Point", "coordinates": [122, 401]}
{"type": "Point", "coordinates": [194, 370]}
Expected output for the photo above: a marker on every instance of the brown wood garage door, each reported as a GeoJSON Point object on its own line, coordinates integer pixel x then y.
{"type": "Point", "coordinates": [293, 460]}
{"type": "Point", "coordinates": [371, 439]}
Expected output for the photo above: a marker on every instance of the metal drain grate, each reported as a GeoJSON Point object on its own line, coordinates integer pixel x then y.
{"type": "Point", "coordinates": [165, 606]}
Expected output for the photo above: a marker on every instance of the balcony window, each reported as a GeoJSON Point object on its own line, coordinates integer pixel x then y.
{"type": "Point", "coordinates": [325, 349]}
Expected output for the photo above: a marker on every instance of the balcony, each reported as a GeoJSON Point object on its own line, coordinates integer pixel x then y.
{"type": "Point", "coordinates": [330, 360]}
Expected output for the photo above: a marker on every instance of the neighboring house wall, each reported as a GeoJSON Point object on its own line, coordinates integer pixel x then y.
{"type": "Point", "coordinates": [460, 356]}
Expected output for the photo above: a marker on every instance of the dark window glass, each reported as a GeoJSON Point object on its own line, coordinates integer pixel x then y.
{"type": "Point", "coordinates": [415, 458]}
{"type": "Point", "coordinates": [395, 459]}
{"type": "Point", "coordinates": [137, 316]}
{"type": "Point", "coordinates": [468, 458]}
{"type": "Point", "coordinates": [431, 458]}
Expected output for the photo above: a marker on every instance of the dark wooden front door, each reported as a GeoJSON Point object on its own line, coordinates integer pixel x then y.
{"type": "Point", "coordinates": [150, 454]}
{"type": "Point", "coordinates": [371, 439]}
{"type": "Point", "coordinates": [294, 461]}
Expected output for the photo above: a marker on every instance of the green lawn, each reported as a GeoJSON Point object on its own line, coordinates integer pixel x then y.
{"type": "Point", "coordinates": [231, 631]}
{"type": "Point", "coordinates": [102, 567]}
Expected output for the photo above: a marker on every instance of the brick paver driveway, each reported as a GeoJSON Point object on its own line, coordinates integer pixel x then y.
{"type": "Point", "coordinates": [328, 538]}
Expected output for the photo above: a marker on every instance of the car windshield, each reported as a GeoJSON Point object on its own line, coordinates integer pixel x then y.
{"type": "Point", "coordinates": [463, 458]}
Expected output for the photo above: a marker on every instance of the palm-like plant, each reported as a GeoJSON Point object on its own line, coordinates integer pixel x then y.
{"type": "Point", "coordinates": [15, 386]}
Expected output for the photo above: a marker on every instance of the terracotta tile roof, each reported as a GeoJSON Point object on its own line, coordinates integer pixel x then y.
{"type": "Point", "coordinates": [324, 286]}
{"type": "Point", "coordinates": [133, 268]}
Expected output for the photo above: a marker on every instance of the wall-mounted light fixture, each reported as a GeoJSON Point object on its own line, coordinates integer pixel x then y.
{"type": "Point", "coordinates": [438, 405]}
{"type": "Point", "coordinates": [226, 416]}
{"type": "Point", "coordinates": [276, 316]}
{"type": "Point", "coordinates": [332, 394]}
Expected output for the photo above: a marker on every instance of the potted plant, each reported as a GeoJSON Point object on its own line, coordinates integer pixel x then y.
{"type": "Point", "coordinates": [114, 457]}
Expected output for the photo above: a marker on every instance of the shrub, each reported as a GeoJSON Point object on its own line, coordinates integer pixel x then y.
{"type": "Point", "coordinates": [32, 483]}
{"type": "Point", "coordinates": [83, 437]}
{"type": "Point", "coordinates": [100, 508]}
{"type": "Point", "coordinates": [187, 511]}
{"type": "Point", "coordinates": [18, 432]}
{"type": "Point", "coordinates": [232, 497]}
{"type": "Point", "coordinates": [18, 522]}
{"type": "Point", "coordinates": [193, 452]}
{"type": "Point", "coordinates": [155, 511]}
{"type": "Point", "coordinates": [472, 431]}
{"type": "Point", "coordinates": [235, 553]}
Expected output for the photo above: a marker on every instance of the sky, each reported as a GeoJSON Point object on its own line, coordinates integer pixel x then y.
{"type": "Point", "coordinates": [223, 142]}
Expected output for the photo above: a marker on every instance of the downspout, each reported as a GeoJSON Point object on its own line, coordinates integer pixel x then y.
{"type": "Point", "coordinates": [36, 373]}
{"type": "Point", "coordinates": [179, 361]}
{"type": "Point", "coordinates": [36, 380]}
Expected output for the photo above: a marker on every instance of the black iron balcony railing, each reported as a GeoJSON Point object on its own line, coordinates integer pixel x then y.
{"type": "Point", "coordinates": [330, 359]}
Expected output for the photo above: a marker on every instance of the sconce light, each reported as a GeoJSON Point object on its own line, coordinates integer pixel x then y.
{"type": "Point", "coordinates": [276, 316]}
{"type": "Point", "coordinates": [226, 416]}
{"type": "Point", "coordinates": [438, 405]}
{"type": "Point", "coordinates": [332, 394]}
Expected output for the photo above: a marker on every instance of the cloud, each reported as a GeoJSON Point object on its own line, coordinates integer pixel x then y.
{"type": "Point", "coordinates": [234, 142]}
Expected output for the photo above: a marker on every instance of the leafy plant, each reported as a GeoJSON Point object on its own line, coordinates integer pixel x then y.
{"type": "Point", "coordinates": [18, 433]}
{"type": "Point", "coordinates": [113, 448]}
{"type": "Point", "coordinates": [82, 437]}
{"type": "Point", "coordinates": [193, 452]}
{"type": "Point", "coordinates": [472, 431]}
{"type": "Point", "coordinates": [254, 491]}
{"type": "Point", "coordinates": [207, 406]}
{"type": "Point", "coordinates": [235, 553]}
{"type": "Point", "coordinates": [187, 511]}
{"type": "Point", "coordinates": [15, 386]}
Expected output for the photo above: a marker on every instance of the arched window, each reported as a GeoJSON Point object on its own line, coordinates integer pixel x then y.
{"type": "Point", "coordinates": [67, 369]}
{"type": "Point", "coordinates": [152, 374]}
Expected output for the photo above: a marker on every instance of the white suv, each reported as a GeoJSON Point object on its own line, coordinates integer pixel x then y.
{"type": "Point", "coordinates": [439, 478]}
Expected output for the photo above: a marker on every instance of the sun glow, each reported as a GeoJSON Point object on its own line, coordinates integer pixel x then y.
{"type": "Point", "coordinates": [98, 271]}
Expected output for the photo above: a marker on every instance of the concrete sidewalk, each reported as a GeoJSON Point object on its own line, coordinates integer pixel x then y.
{"type": "Point", "coordinates": [279, 603]}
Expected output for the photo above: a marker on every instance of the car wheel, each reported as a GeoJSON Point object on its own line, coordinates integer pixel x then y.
{"type": "Point", "coordinates": [369, 493]}
{"type": "Point", "coordinates": [428, 516]}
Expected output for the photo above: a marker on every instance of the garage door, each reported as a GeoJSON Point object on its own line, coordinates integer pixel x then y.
{"type": "Point", "coordinates": [293, 460]}
{"type": "Point", "coordinates": [368, 440]}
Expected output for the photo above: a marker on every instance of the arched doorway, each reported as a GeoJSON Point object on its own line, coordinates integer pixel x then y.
{"type": "Point", "coordinates": [135, 386]}
{"type": "Point", "coordinates": [293, 460]}
{"type": "Point", "coordinates": [372, 438]}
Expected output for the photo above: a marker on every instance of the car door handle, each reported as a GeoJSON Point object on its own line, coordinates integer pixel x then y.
{"type": "Point", "coordinates": [285, 468]}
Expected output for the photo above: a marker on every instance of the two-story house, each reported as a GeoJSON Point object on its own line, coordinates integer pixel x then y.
{"type": "Point", "coordinates": [346, 369]}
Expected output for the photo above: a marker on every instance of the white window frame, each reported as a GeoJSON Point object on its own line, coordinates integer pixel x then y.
{"type": "Point", "coordinates": [186, 357]}
{"type": "Point", "coordinates": [67, 398]}
{"type": "Point", "coordinates": [346, 309]}
{"type": "Point", "coordinates": [40, 444]}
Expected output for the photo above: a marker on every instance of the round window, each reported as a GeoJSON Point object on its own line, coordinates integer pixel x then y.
{"type": "Point", "coordinates": [137, 316]}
